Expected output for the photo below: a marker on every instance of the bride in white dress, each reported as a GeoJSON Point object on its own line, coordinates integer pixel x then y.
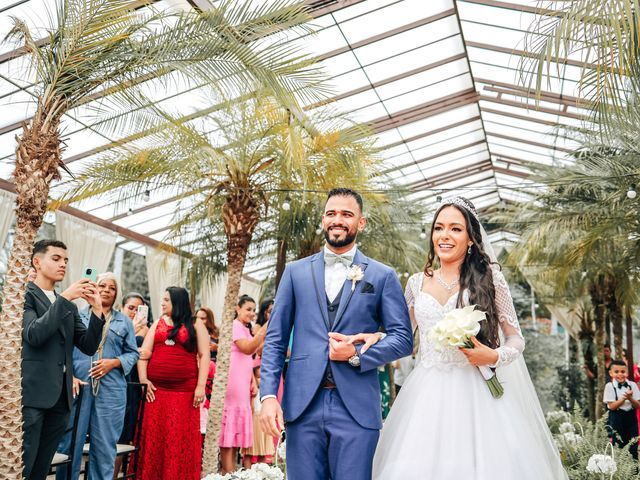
{"type": "Point", "coordinates": [445, 424]}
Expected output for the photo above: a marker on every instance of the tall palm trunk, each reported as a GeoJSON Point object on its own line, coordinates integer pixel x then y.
{"type": "Point", "coordinates": [597, 300]}
{"type": "Point", "coordinates": [240, 214]}
{"type": "Point", "coordinates": [37, 160]}
{"type": "Point", "coordinates": [614, 313]}
{"type": "Point", "coordinates": [281, 259]}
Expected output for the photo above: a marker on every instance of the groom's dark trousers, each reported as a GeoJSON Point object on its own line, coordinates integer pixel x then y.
{"type": "Point", "coordinates": [332, 410]}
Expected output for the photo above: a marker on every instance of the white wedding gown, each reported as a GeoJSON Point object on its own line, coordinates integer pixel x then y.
{"type": "Point", "coordinates": [445, 425]}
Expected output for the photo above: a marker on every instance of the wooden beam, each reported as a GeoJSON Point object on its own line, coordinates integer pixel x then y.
{"type": "Point", "coordinates": [529, 142]}
{"type": "Point", "coordinates": [444, 128]}
{"type": "Point", "coordinates": [425, 110]}
{"type": "Point", "coordinates": [437, 155]}
{"type": "Point", "coordinates": [388, 34]}
{"type": "Point", "coordinates": [452, 176]}
{"type": "Point", "coordinates": [527, 106]}
{"type": "Point", "coordinates": [125, 232]}
{"type": "Point", "coordinates": [527, 54]}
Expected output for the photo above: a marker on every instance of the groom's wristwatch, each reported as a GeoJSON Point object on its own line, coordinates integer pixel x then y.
{"type": "Point", "coordinates": [354, 361]}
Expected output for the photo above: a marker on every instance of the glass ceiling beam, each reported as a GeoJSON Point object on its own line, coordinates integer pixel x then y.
{"type": "Point", "coordinates": [428, 133]}
{"type": "Point", "coordinates": [20, 51]}
{"type": "Point", "coordinates": [542, 94]}
{"type": "Point", "coordinates": [527, 54]}
{"type": "Point", "coordinates": [425, 110]}
{"type": "Point", "coordinates": [452, 176]}
{"type": "Point", "coordinates": [513, 6]}
{"type": "Point", "coordinates": [438, 155]}
{"type": "Point", "coordinates": [386, 81]}
{"type": "Point", "coordinates": [530, 142]}
{"type": "Point", "coordinates": [390, 33]}
{"type": "Point", "coordinates": [318, 8]}
{"type": "Point", "coordinates": [527, 106]}
{"type": "Point", "coordinates": [125, 232]}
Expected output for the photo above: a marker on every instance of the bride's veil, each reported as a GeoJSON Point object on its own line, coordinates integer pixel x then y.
{"type": "Point", "coordinates": [517, 382]}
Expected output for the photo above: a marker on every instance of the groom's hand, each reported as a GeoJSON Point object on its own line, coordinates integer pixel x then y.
{"type": "Point", "coordinates": [339, 348]}
{"type": "Point", "coordinates": [271, 417]}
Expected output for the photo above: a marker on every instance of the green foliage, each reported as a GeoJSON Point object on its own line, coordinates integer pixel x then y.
{"type": "Point", "coordinates": [578, 439]}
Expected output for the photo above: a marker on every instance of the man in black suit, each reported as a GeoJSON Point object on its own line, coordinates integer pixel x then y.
{"type": "Point", "coordinates": [51, 328]}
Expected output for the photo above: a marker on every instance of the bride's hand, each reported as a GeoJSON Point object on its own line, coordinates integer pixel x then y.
{"type": "Point", "coordinates": [481, 354]}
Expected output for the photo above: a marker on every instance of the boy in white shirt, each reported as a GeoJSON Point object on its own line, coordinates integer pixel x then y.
{"type": "Point", "coordinates": [622, 398]}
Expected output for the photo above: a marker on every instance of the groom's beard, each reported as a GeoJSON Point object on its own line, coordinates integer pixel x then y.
{"type": "Point", "coordinates": [337, 243]}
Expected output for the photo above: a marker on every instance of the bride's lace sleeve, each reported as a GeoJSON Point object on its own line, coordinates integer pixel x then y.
{"type": "Point", "coordinates": [513, 344]}
{"type": "Point", "coordinates": [411, 290]}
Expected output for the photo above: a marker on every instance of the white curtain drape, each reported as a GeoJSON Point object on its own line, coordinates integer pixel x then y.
{"type": "Point", "coordinates": [89, 246]}
{"type": "Point", "coordinates": [7, 214]}
{"type": "Point", "coordinates": [163, 270]}
{"type": "Point", "coordinates": [212, 293]}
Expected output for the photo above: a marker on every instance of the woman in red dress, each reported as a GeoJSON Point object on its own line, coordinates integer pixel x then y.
{"type": "Point", "coordinates": [176, 374]}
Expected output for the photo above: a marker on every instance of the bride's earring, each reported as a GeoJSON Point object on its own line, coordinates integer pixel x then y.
{"type": "Point", "coordinates": [469, 250]}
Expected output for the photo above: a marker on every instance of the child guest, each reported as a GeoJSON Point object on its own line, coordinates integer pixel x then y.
{"type": "Point", "coordinates": [622, 398]}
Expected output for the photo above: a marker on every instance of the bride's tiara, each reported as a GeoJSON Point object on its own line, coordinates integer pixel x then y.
{"type": "Point", "coordinates": [460, 202]}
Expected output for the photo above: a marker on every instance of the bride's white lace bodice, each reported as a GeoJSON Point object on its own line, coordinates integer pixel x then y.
{"type": "Point", "coordinates": [428, 311]}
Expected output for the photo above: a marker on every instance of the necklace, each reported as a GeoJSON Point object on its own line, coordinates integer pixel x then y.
{"type": "Point", "coordinates": [448, 286]}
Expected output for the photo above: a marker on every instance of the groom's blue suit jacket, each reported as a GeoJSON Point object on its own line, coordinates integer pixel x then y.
{"type": "Point", "coordinates": [376, 303]}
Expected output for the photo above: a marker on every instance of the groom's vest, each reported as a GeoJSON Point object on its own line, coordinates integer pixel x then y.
{"type": "Point", "coordinates": [332, 308]}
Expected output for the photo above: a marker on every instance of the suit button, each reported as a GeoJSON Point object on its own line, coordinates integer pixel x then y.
{"type": "Point", "coordinates": [332, 308]}
{"type": "Point", "coordinates": [60, 363]}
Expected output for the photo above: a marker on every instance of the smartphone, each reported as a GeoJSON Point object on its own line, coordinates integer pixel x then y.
{"type": "Point", "coordinates": [91, 274]}
{"type": "Point", "coordinates": [143, 313]}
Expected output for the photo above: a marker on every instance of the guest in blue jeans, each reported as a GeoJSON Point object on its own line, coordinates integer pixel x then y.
{"type": "Point", "coordinates": [102, 377]}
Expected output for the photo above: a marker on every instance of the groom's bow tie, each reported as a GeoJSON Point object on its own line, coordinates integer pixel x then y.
{"type": "Point", "coordinates": [331, 258]}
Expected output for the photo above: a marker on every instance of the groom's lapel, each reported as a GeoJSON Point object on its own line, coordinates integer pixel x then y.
{"type": "Point", "coordinates": [317, 273]}
{"type": "Point", "coordinates": [347, 290]}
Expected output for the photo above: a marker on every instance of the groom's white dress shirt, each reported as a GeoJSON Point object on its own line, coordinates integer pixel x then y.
{"type": "Point", "coordinates": [335, 275]}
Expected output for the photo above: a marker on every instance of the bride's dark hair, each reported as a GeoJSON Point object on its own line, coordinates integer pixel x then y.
{"type": "Point", "coordinates": [476, 275]}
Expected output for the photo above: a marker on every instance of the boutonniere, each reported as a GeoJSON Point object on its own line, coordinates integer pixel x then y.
{"type": "Point", "coordinates": [355, 274]}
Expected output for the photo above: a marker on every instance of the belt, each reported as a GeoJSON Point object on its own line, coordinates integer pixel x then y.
{"type": "Point", "coordinates": [328, 384]}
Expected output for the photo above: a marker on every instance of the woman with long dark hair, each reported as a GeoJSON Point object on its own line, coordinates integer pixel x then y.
{"type": "Point", "coordinates": [446, 423]}
{"type": "Point", "coordinates": [175, 375]}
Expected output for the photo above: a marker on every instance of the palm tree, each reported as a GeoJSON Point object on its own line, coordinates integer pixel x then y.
{"type": "Point", "coordinates": [603, 34]}
{"type": "Point", "coordinates": [108, 47]}
{"type": "Point", "coordinates": [579, 233]}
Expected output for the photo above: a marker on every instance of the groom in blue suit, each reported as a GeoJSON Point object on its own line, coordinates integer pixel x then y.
{"type": "Point", "coordinates": [350, 317]}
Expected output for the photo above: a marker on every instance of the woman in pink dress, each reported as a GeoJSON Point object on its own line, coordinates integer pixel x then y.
{"type": "Point", "coordinates": [237, 422]}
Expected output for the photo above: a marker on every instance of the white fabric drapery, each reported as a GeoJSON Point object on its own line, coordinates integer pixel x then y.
{"type": "Point", "coordinates": [163, 270]}
{"type": "Point", "coordinates": [89, 246]}
{"type": "Point", "coordinates": [7, 214]}
{"type": "Point", "coordinates": [212, 293]}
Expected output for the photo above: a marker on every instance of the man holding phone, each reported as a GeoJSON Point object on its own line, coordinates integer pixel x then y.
{"type": "Point", "coordinates": [51, 328]}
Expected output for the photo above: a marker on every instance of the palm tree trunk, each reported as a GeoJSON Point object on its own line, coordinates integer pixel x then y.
{"type": "Point", "coordinates": [37, 161]}
{"type": "Point", "coordinates": [240, 216]}
{"type": "Point", "coordinates": [629, 333]}
{"type": "Point", "coordinates": [597, 300]}
{"type": "Point", "coordinates": [281, 259]}
{"type": "Point", "coordinates": [614, 313]}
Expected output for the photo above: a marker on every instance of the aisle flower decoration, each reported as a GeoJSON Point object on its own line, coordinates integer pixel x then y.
{"type": "Point", "coordinates": [603, 464]}
{"type": "Point", "coordinates": [258, 471]}
{"type": "Point", "coordinates": [455, 330]}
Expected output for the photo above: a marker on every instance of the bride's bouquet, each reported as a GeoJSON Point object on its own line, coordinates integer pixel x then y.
{"type": "Point", "coordinates": [455, 330]}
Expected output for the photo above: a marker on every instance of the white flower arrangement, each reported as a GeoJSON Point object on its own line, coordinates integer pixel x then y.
{"type": "Point", "coordinates": [559, 416]}
{"type": "Point", "coordinates": [603, 464]}
{"type": "Point", "coordinates": [455, 330]}
{"type": "Point", "coordinates": [258, 471]}
{"type": "Point", "coordinates": [571, 438]}
{"type": "Point", "coordinates": [355, 274]}
{"type": "Point", "coordinates": [566, 427]}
